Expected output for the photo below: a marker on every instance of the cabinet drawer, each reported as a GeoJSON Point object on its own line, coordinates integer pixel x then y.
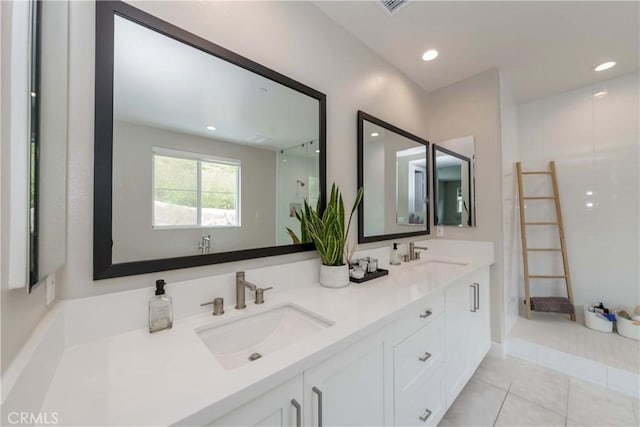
{"type": "Point", "coordinates": [424, 406]}
{"type": "Point", "coordinates": [418, 315]}
{"type": "Point", "coordinates": [415, 356]}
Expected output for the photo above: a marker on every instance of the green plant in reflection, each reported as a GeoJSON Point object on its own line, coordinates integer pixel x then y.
{"type": "Point", "coordinates": [326, 231]}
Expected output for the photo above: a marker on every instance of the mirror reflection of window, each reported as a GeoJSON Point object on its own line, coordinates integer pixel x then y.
{"type": "Point", "coordinates": [195, 192]}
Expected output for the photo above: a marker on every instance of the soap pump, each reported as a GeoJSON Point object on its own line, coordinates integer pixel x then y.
{"type": "Point", "coordinates": [160, 309]}
{"type": "Point", "coordinates": [395, 255]}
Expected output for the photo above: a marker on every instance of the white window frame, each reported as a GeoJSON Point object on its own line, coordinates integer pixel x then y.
{"type": "Point", "coordinates": [199, 158]}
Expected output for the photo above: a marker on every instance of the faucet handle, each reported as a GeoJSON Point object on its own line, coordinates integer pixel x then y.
{"type": "Point", "coordinates": [260, 294]}
{"type": "Point", "coordinates": [218, 306]}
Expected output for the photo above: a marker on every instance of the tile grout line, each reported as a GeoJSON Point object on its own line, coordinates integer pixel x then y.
{"type": "Point", "coordinates": [502, 404]}
{"type": "Point", "coordinates": [566, 418]}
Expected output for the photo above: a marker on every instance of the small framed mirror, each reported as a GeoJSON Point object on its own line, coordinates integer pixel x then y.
{"type": "Point", "coordinates": [394, 172]}
{"type": "Point", "coordinates": [454, 182]}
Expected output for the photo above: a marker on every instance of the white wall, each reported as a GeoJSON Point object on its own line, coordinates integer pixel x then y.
{"type": "Point", "coordinates": [134, 237]}
{"type": "Point", "coordinates": [295, 39]}
{"type": "Point", "coordinates": [472, 107]}
{"type": "Point", "coordinates": [595, 143]}
{"type": "Point", "coordinates": [510, 211]}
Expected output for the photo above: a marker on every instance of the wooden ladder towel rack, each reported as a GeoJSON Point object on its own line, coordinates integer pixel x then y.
{"type": "Point", "coordinates": [551, 304]}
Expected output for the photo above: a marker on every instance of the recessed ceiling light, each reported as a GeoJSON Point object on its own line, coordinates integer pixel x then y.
{"type": "Point", "coordinates": [590, 204]}
{"type": "Point", "coordinates": [430, 55]}
{"type": "Point", "coordinates": [317, 151]}
{"type": "Point", "coordinates": [211, 127]}
{"type": "Point", "coordinates": [589, 193]}
{"type": "Point", "coordinates": [375, 134]}
{"type": "Point", "coordinates": [600, 94]}
{"type": "Point", "coordinates": [605, 66]}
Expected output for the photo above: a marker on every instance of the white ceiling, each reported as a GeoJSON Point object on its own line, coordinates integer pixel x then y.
{"type": "Point", "coordinates": [446, 160]}
{"type": "Point", "coordinates": [163, 83]}
{"type": "Point", "coordinates": [542, 47]}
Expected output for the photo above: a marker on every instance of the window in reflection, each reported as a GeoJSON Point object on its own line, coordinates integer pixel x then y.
{"type": "Point", "coordinates": [192, 191]}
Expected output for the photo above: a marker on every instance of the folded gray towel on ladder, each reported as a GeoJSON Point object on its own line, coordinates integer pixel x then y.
{"type": "Point", "coordinates": [552, 304]}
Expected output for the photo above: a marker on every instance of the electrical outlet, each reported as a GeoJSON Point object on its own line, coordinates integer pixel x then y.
{"type": "Point", "coordinates": [51, 288]}
{"type": "Point", "coordinates": [439, 230]}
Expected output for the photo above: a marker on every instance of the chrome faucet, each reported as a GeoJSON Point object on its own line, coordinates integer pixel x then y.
{"type": "Point", "coordinates": [240, 295]}
{"type": "Point", "coordinates": [205, 244]}
{"type": "Point", "coordinates": [413, 251]}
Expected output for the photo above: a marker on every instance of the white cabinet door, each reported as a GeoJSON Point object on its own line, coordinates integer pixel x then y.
{"type": "Point", "coordinates": [425, 406]}
{"type": "Point", "coordinates": [354, 387]}
{"type": "Point", "coordinates": [480, 322]}
{"type": "Point", "coordinates": [277, 407]}
{"type": "Point", "coordinates": [458, 304]}
{"type": "Point", "coordinates": [467, 329]}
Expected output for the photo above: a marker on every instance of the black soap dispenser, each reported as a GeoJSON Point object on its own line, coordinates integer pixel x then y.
{"type": "Point", "coordinates": [160, 309]}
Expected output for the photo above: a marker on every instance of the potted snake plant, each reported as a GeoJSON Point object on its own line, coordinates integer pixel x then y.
{"type": "Point", "coordinates": [329, 235]}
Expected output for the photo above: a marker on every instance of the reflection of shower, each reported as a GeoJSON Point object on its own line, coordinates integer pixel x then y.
{"type": "Point", "coordinates": [296, 146]}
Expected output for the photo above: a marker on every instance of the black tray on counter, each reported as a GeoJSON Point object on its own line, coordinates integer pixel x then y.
{"type": "Point", "coordinates": [370, 276]}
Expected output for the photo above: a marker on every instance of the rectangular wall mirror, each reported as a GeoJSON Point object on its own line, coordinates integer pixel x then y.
{"type": "Point", "coordinates": [394, 171]}
{"type": "Point", "coordinates": [202, 156]}
{"type": "Point", "coordinates": [454, 182]}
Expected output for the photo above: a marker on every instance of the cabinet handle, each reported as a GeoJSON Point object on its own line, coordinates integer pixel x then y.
{"type": "Point", "coordinates": [317, 391]}
{"type": "Point", "coordinates": [298, 412]}
{"type": "Point", "coordinates": [477, 296]}
{"type": "Point", "coordinates": [424, 358]}
{"type": "Point", "coordinates": [426, 415]}
{"type": "Point", "coordinates": [473, 309]}
{"type": "Point", "coordinates": [426, 314]}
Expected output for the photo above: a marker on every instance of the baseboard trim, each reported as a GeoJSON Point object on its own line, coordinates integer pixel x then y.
{"type": "Point", "coordinates": [497, 350]}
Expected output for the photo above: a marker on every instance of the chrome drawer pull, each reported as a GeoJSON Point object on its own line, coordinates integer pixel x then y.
{"type": "Point", "coordinates": [298, 412]}
{"type": "Point", "coordinates": [426, 314]}
{"type": "Point", "coordinates": [424, 358]}
{"type": "Point", "coordinates": [427, 414]}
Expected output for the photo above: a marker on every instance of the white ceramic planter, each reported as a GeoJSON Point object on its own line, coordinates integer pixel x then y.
{"type": "Point", "coordinates": [334, 276]}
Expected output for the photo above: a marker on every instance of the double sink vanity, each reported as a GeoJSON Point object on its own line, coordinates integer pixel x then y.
{"type": "Point", "coordinates": [393, 351]}
{"type": "Point", "coordinates": [174, 189]}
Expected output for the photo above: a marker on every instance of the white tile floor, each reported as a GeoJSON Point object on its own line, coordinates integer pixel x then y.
{"type": "Point", "coordinates": [557, 332]}
{"type": "Point", "coordinates": [516, 393]}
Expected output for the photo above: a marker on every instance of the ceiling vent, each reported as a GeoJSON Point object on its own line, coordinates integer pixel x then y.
{"type": "Point", "coordinates": [392, 6]}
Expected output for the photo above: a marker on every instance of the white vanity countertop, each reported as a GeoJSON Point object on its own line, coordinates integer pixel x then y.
{"type": "Point", "coordinates": [137, 378]}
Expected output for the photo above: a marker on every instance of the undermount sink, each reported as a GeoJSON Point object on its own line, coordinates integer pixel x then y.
{"type": "Point", "coordinates": [442, 262]}
{"type": "Point", "coordinates": [440, 265]}
{"type": "Point", "coordinates": [250, 338]}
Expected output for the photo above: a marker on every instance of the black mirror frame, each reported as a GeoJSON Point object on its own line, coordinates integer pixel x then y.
{"type": "Point", "coordinates": [435, 181]}
{"type": "Point", "coordinates": [362, 116]}
{"type": "Point", "coordinates": [35, 71]}
{"type": "Point", "coordinates": [103, 267]}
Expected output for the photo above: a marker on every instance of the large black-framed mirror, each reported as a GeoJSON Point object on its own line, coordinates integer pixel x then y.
{"type": "Point", "coordinates": [393, 169]}
{"type": "Point", "coordinates": [202, 156]}
{"type": "Point", "coordinates": [453, 183]}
